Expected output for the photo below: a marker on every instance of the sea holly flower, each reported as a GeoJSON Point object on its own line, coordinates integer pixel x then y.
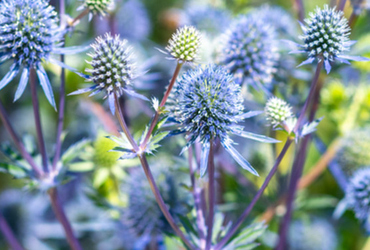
{"type": "Point", "coordinates": [113, 69]}
{"type": "Point", "coordinates": [97, 7]}
{"type": "Point", "coordinates": [184, 45]}
{"type": "Point", "coordinates": [207, 104]}
{"type": "Point", "coordinates": [249, 51]}
{"type": "Point", "coordinates": [278, 111]}
{"type": "Point", "coordinates": [326, 38]}
{"type": "Point", "coordinates": [29, 34]}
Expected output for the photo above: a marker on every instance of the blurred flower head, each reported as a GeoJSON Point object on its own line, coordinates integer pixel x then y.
{"type": "Point", "coordinates": [326, 38]}
{"type": "Point", "coordinates": [316, 234]}
{"type": "Point", "coordinates": [277, 111]}
{"type": "Point", "coordinates": [359, 5]}
{"type": "Point", "coordinates": [184, 44]}
{"type": "Point", "coordinates": [207, 104]}
{"type": "Point", "coordinates": [113, 69]}
{"type": "Point", "coordinates": [29, 33]}
{"type": "Point", "coordinates": [249, 51]}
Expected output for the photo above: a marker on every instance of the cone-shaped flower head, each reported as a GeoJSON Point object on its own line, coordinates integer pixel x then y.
{"type": "Point", "coordinates": [208, 104]}
{"type": "Point", "coordinates": [249, 51]}
{"type": "Point", "coordinates": [28, 35]}
{"type": "Point", "coordinates": [98, 6]}
{"type": "Point", "coordinates": [112, 69]}
{"type": "Point", "coordinates": [316, 234]}
{"type": "Point", "coordinates": [358, 194]}
{"type": "Point", "coordinates": [277, 111]}
{"type": "Point", "coordinates": [184, 44]}
{"type": "Point", "coordinates": [326, 37]}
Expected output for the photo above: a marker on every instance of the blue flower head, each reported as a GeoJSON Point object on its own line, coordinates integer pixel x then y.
{"type": "Point", "coordinates": [326, 37]}
{"type": "Point", "coordinates": [249, 51]}
{"type": "Point", "coordinates": [207, 18]}
{"type": "Point", "coordinates": [358, 195]}
{"type": "Point", "coordinates": [208, 105]}
{"type": "Point", "coordinates": [113, 69]}
{"type": "Point", "coordinates": [28, 35]}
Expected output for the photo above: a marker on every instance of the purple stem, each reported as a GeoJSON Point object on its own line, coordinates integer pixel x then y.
{"type": "Point", "coordinates": [18, 143]}
{"type": "Point", "coordinates": [61, 216]}
{"type": "Point", "coordinates": [211, 195]}
{"type": "Point", "coordinates": [62, 96]}
{"type": "Point", "coordinates": [246, 212]}
{"type": "Point", "coordinates": [197, 201]}
{"type": "Point", "coordinates": [9, 235]}
{"type": "Point", "coordinates": [36, 112]}
{"type": "Point", "coordinates": [342, 4]}
{"type": "Point", "coordinates": [300, 7]}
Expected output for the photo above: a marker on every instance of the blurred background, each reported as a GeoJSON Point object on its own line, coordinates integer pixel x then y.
{"type": "Point", "coordinates": [110, 202]}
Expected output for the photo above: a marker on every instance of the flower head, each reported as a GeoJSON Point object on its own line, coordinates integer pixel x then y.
{"type": "Point", "coordinates": [316, 234]}
{"type": "Point", "coordinates": [112, 69]}
{"type": "Point", "coordinates": [249, 51]}
{"type": "Point", "coordinates": [184, 44]}
{"type": "Point", "coordinates": [358, 194]}
{"type": "Point", "coordinates": [28, 35]}
{"type": "Point", "coordinates": [98, 6]}
{"type": "Point", "coordinates": [326, 37]}
{"type": "Point", "coordinates": [359, 5]}
{"type": "Point", "coordinates": [277, 111]}
{"type": "Point", "coordinates": [207, 104]}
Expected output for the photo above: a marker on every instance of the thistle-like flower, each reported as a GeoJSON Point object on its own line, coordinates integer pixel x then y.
{"type": "Point", "coordinates": [326, 37]}
{"type": "Point", "coordinates": [97, 6]}
{"type": "Point", "coordinates": [112, 69]}
{"type": "Point", "coordinates": [184, 45]}
{"type": "Point", "coordinates": [29, 34]}
{"type": "Point", "coordinates": [207, 18]}
{"type": "Point", "coordinates": [318, 234]}
{"type": "Point", "coordinates": [249, 51]}
{"type": "Point", "coordinates": [277, 111]}
{"type": "Point", "coordinates": [358, 195]}
{"type": "Point", "coordinates": [208, 104]}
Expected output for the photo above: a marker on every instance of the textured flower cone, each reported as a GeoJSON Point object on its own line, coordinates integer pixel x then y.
{"type": "Point", "coordinates": [98, 6]}
{"type": "Point", "coordinates": [277, 111]}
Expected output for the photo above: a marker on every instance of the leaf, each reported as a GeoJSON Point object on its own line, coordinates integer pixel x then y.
{"type": "Point", "coordinates": [74, 151]}
{"type": "Point", "coordinates": [153, 143]}
{"type": "Point", "coordinates": [246, 238]}
{"type": "Point", "coordinates": [81, 166]}
{"type": "Point", "coordinates": [13, 71]}
{"type": "Point", "coordinates": [14, 170]}
{"type": "Point", "coordinates": [45, 84]}
{"type": "Point", "coordinates": [238, 157]}
{"type": "Point", "coordinates": [155, 103]}
{"type": "Point", "coordinates": [256, 137]}
{"type": "Point", "coordinates": [22, 84]}
{"type": "Point", "coordinates": [101, 175]}
{"type": "Point", "coordinates": [308, 128]}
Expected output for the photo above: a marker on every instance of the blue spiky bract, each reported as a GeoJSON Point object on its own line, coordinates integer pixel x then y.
{"type": "Point", "coordinates": [249, 51]}
{"type": "Point", "coordinates": [28, 34]}
{"type": "Point", "coordinates": [315, 234]}
{"type": "Point", "coordinates": [326, 38]}
{"type": "Point", "coordinates": [113, 69]}
{"type": "Point", "coordinates": [207, 18]}
{"type": "Point", "coordinates": [207, 104]}
{"type": "Point", "coordinates": [358, 196]}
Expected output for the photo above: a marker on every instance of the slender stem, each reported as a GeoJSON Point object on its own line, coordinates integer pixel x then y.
{"type": "Point", "coordinates": [113, 24]}
{"type": "Point", "coordinates": [352, 19]}
{"type": "Point", "coordinates": [246, 212]}
{"type": "Point", "coordinates": [62, 96]}
{"type": "Point", "coordinates": [80, 16]}
{"type": "Point", "coordinates": [36, 112]}
{"type": "Point", "coordinates": [149, 176]}
{"type": "Point", "coordinates": [9, 235]}
{"type": "Point", "coordinates": [300, 158]}
{"type": "Point", "coordinates": [300, 7]}
{"type": "Point", "coordinates": [161, 105]}
{"type": "Point", "coordinates": [161, 203]}
{"type": "Point", "coordinates": [61, 216]}
{"type": "Point", "coordinates": [211, 195]}
{"type": "Point", "coordinates": [18, 143]}
{"type": "Point", "coordinates": [197, 201]}
{"type": "Point", "coordinates": [342, 4]}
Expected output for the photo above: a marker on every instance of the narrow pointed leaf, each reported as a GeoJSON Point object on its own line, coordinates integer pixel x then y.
{"type": "Point", "coordinates": [45, 84]}
{"type": "Point", "coordinates": [204, 158]}
{"type": "Point", "coordinates": [82, 91]}
{"type": "Point", "coordinates": [257, 137]}
{"type": "Point", "coordinates": [22, 84]}
{"type": "Point", "coordinates": [13, 71]}
{"type": "Point", "coordinates": [354, 58]}
{"type": "Point", "coordinates": [134, 94]}
{"type": "Point", "coordinates": [308, 61]}
{"type": "Point", "coordinates": [250, 114]}
{"type": "Point", "coordinates": [70, 50]}
{"type": "Point", "coordinates": [63, 65]}
{"type": "Point", "coordinates": [112, 105]}
{"type": "Point", "coordinates": [327, 66]}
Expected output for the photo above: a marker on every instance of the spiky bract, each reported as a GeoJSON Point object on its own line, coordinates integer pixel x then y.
{"type": "Point", "coordinates": [207, 104]}
{"type": "Point", "coordinates": [277, 111]}
{"type": "Point", "coordinates": [249, 51]}
{"type": "Point", "coordinates": [113, 69]}
{"type": "Point", "coordinates": [184, 44]}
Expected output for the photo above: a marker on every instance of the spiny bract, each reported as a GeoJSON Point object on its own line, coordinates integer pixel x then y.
{"type": "Point", "coordinates": [29, 33]}
{"type": "Point", "coordinates": [112, 69]}
{"type": "Point", "coordinates": [326, 37]}
{"type": "Point", "coordinates": [249, 51]}
{"type": "Point", "coordinates": [184, 44]}
{"type": "Point", "coordinates": [207, 104]}
{"type": "Point", "coordinates": [277, 111]}
{"type": "Point", "coordinates": [358, 195]}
